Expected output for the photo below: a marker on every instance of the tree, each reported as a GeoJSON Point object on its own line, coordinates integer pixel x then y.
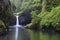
{"type": "Point", "coordinates": [44, 2]}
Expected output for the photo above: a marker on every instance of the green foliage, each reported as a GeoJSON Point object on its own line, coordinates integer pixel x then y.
{"type": "Point", "coordinates": [52, 4]}
{"type": "Point", "coordinates": [35, 20]}
{"type": "Point", "coordinates": [2, 26]}
{"type": "Point", "coordinates": [5, 12]}
{"type": "Point", "coordinates": [26, 4]}
{"type": "Point", "coordinates": [35, 17]}
{"type": "Point", "coordinates": [47, 19]}
{"type": "Point", "coordinates": [53, 17]}
{"type": "Point", "coordinates": [36, 3]}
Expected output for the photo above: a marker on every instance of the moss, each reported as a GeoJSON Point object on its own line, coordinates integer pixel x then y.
{"type": "Point", "coordinates": [53, 17]}
{"type": "Point", "coordinates": [2, 26]}
{"type": "Point", "coordinates": [48, 19]}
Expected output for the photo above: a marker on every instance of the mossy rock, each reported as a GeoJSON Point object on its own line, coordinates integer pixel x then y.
{"type": "Point", "coordinates": [2, 26]}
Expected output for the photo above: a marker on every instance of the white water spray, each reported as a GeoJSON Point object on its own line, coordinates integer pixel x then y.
{"type": "Point", "coordinates": [17, 21]}
{"type": "Point", "coordinates": [17, 26]}
{"type": "Point", "coordinates": [17, 29]}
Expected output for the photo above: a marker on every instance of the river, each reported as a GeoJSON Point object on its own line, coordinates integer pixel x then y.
{"type": "Point", "coordinates": [27, 34]}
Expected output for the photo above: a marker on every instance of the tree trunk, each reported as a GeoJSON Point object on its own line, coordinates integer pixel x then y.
{"type": "Point", "coordinates": [44, 2]}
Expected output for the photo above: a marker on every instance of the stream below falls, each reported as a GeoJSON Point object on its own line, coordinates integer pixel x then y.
{"type": "Point", "coordinates": [27, 34]}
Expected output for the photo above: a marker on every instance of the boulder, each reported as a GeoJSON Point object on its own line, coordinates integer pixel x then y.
{"type": "Point", "coordinates": [2, 26]}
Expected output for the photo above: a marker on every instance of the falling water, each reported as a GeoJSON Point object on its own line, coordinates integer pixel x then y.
{"type": "Point", "coordinates": [17, 26]}
{"type": "Point", "coordinates": [17, 4]}
{"type": "Point", "coordinates": [17, 21]}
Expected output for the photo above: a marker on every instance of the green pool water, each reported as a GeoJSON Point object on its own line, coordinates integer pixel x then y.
{"type": "Point", "coordinates": [26, 34]}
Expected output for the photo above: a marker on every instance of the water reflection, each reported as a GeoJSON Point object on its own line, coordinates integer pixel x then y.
{"type": "Point", "coordinates": [36, 35]}
{"type": "Point", "coordinates": [16, 35]}
{"type": "Point", "coordinates": [25, 34]}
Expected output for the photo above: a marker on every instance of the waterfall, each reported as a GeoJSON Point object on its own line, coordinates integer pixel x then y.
{"type": "Point", "coordinates": [16, 30]}
{"type": "Point", "coordinates": [17, 26]}
{"type": "Point", "coordinates": [17, 21]}
{"type": "Point", "coordinates": [16, 3]}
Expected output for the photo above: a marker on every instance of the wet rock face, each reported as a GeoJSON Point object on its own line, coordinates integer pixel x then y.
{"type": "Point", "coordinates": [12, 20]}
{"type": "Point", "coordinates": [25, 17]}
